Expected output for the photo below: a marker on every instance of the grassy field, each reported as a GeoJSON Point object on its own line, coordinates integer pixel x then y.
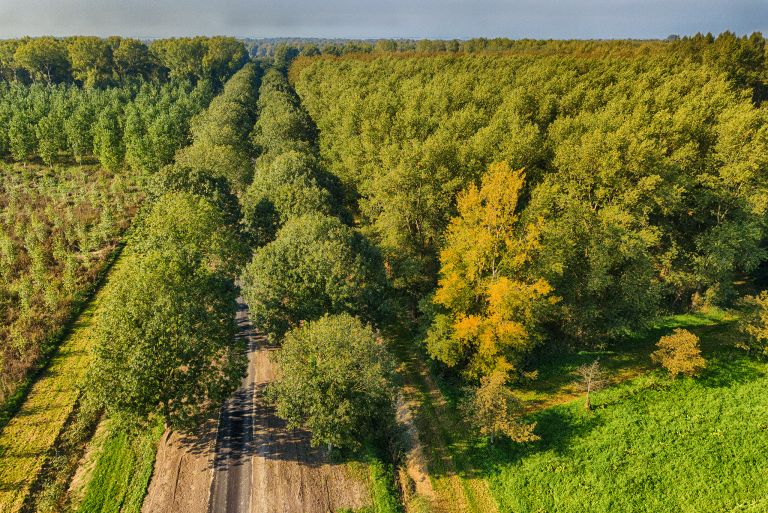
{"type": "Point", "coordinates": [121, 472]}
{"type": "Point", "coordinates": [30, 434]}
{"type": "Point", "coordinates": [651, 444]}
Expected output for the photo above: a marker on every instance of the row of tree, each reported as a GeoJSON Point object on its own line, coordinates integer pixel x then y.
{"type": "Point", "coordinates": [643, 191]}
{"type": "Point", "coordinates": [314, 283]}
{"type": "Point", "coordinates": [166, 341]}
{"type": "Point", "coordinates": [96, 62]}
{"type": "Point", "coordinates": [142, 126]}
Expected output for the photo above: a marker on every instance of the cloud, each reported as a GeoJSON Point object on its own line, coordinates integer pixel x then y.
{"type": "Point", "coordinates": [383, 18]}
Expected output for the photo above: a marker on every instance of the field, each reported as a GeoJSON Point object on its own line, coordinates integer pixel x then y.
{"type": "Point", "coordinates": [651, 444]}
{"type": "Point", "coordinates": [27, 438]}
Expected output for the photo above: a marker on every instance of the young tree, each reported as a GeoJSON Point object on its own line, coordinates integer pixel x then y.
{"type": "Point", "coordinates": [21, 136]}
{"type": "Point", "coordinates": [754, 324]}
{"type": "Point", "coordinates": [108, 139]}
{"type": "Point", "coordinates": [315, 265]}
{"type": "Point", "coordinates": [334, 379]}
{"type": "Point", "coordinates": [591, 379]}
{"type": "Point", "coordinates": [679, 353]}
{"type": "Point", "coordinates": [494, 410]}
{"type": "Point", "coordinates": [166, 340]}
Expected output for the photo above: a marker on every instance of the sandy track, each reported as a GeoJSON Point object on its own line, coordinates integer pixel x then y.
{"type": "Point", "coordinates": [262, 467]}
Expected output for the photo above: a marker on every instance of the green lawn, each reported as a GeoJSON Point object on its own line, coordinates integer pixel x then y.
{"type": "Point", "coordinates": [651, 444]}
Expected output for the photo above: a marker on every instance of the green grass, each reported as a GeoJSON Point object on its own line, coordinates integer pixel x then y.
{"type": "Point", "coordinates": [651, 444]}
{"type": "Point", "coordinates": [122, 472]}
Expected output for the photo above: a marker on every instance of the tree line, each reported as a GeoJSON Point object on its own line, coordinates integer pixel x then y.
{"type": "Point", "coordinates": [165, 342]}
{"type": "Point", "coordinates": [141, 126]}
{"type": "Point", "coordinates": [91, 61]}
{"type": "Point", "coordinates": [522, 203]}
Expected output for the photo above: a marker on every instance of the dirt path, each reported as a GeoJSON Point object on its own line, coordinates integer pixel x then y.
{"type": "Point", "coordinates": [183, 470]}
{"type": "Point", "coordinates": [422, 405]}
{"type": "Point", "coordinates": [262, 467]}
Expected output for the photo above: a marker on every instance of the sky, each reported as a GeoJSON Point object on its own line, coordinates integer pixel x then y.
{"type": "Point", "coordinates": [436, 19]}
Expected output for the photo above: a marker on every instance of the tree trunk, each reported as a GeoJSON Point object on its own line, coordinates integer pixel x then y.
{"type": "Point", "coordinates": [587, 404]}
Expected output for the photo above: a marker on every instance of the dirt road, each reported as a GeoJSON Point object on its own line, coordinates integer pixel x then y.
{"type": "Point", "coordinates": [261, 466]}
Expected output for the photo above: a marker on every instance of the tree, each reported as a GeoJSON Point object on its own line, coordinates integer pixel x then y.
{"type": "Point", "coordinates": [165, 341]}
{"type": "Point", "coordinates": [183, 221]}
{"type": "Point", "coordinates": [283, 188]}
{"type": "Point", "coordinates": [45, 58]}
{"type": "Point", "coordinates": [591, 379]}
{"type": "Point", "coordinates": [492, 310]}
{"type": "Point", "coordinates": [679, 353]}
{"type": "Point", "coordinates": [131, 59]}
{"type": "Point", "coordinates": [315, 266]}
{"type": "Point", "coordinates": [108, 139]}
{"type": "Point", "coordinates": [223, 57]}
{"type": "Point", "coordinates": [21, 136]}
{"type": "Point", "coordinates": [215, 189]}
{"type": "Point", "coordinates": [333, 378]}
{"type": "Point", "coordinates": [91, 59]}
{"type": "Point", "coordinates": [754, 324]}
{"type": "Point", "coordinates": [494, 410]}
{"type": "Point", "coordinates": [50, 136]}
{"type": "Point", "coordinates": [182, 56]}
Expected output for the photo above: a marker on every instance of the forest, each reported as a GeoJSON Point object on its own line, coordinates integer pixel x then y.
{"type": "Point", "coordinates": [486, 274]}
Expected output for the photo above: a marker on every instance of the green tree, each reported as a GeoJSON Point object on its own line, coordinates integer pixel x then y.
{"type": "Point", "coordinates": [184, 221]}
{"type": "Point", "coordinates": [21, 136]}
{"type": "Point", "coordinates": [334, 378]}
{"type": "Point", "coordinates": [223, 57]}
{"type": "Point", "coordinates": [131, 59]}
{"type": "Point", "coordinates": [165, 341]}
{"type": "Point", "coordinates": [108, 138]}
{"type": "Point", "coordinates": [44, 58]}
{"type": "Point", "coordinates": [91, 59]}
{"type": "Point", "coordinates": [283, 188]}
{"type": "Point", "coordinates": [50, 136]}
{"type": "Point", "coordinates": [315, 265]}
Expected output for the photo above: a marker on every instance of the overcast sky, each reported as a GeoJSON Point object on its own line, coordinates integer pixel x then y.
{"type": "Point", "coordinates": [382, 18]}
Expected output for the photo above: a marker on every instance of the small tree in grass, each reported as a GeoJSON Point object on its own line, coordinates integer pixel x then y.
{"type": "Point", "coordinates": [591, 378]}
{"type": "Point", "coordinates": [494, 411]}
{"type": "Point", "coordinates": [679, 353]}
{"type": "Point", "coordinates": [754, 324]}
{"type": "Point", "coordinates": [334, 379]}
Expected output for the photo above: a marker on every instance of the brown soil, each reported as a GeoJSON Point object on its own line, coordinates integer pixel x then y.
{"type": "Point", "coordinates": [181, 480]}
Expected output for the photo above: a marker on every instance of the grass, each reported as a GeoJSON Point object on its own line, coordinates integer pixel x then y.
{"type": "Point", "coordinates": [28, 436]}
{"type": "Point", "coordinates": [651, 444]}
{"type": "Point", "coordinates": [123, 468]}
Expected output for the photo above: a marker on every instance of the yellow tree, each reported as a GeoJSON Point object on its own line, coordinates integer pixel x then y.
{"type": "Point", "coordinates": [489, 308]}
{"type": "Point", "coordinates": [679, 353]}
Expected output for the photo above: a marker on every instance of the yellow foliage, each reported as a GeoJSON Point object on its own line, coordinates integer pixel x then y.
{"type": "Point", "coordinates": [679, 353]}
{"type": "Point", "coordinates": [482, 280]}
